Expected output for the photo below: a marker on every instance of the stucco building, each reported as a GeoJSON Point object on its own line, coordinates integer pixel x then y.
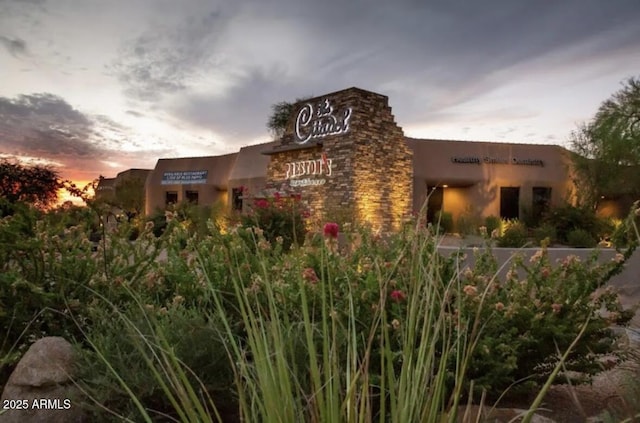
{"type": "Point", "coordinates": [344, 151]}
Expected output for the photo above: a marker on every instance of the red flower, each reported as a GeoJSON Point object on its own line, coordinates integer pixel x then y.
{"type": "Point", "coordinates": [330, 230]}
{"type": "Point", "coordinates": [277, 196]}
{"type": "Point", "coordinates": [397, 295]}
{"type": "Point", "coordinates": [261, 203]}
{"type": "Point", "coordinates": [309, 275]}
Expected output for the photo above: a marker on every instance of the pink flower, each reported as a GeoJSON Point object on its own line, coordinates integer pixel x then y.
{"type": "Point", "coordinates": [470, 290]}
{"type": "Point", "coordinates": [261, 203]}
{"type": "Point", "coordinates": [546, 272]}
{"type": "Point", "coordinates": [277, 196]}
{"type": "Point", "coordinates": [331, 230]}
{"type": "Point", "coordinates": [309, 275]}
{"type": "Point", "coordinates": [397, 295]}
{"type": "Point", "coordinates": [556, 307]}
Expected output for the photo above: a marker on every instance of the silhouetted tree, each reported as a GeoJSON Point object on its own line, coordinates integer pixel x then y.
{"type": "Point", "coordinates": [37, 185]}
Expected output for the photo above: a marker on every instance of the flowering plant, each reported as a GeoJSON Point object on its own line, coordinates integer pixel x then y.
{"type": "Point", "coordinates": [280, 214]}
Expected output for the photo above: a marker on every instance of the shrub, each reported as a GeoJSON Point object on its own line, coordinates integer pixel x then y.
{"type": "Point", "coordinates": [124, 342]}
{"type": "Point", "coordinates": [444, 222]}
{"type": "Point", "coordinates": [159, 221]}
{"type": "Point", "coordinates": [468, 223]}
{"type": "Point", "coordinates": [515, 235]}
{"type": "Point", "coordinates": [492, 223]}
{"type": "Point", "coordinates": [567, 218]}
{"type": "Point", "coordinates": [580, 238]}
{"type": "Point", "coordinates": [281, 217]}
{"type": "Point", "coordinates": [545, 231]}
{"type": "Point", "coordinates": [624, 233]}
{"type": "Point", "coordinates": [341, 327]}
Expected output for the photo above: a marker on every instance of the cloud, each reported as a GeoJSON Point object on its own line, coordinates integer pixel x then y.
{"type": "Point", "coordinates": [46, 127]}
{"type": "Point", "coordinates": [15, 46]}
{"type": "Point", "coordinates": [436, 56]}
{"type": "Point", "coordinates": [166, 58]}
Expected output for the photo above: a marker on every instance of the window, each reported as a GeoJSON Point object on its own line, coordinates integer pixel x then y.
{"type": "Point", "coordinates": [171, 197]}
{"type": "Point", "coordinates": [510, 202]}
{"type": "Point", "coordinates": [192, 197]}
{"type": "Point", "coordinates": [540, 201]}
{"type": "Point", "coordinates": [236, 199]}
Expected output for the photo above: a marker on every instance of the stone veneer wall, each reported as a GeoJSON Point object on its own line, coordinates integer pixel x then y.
{"type": "Point", "coordinates": [372, 169]}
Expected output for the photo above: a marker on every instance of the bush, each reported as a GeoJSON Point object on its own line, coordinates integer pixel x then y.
{"type": "Point", "coordinates": [567, 218]}
{"type": "Point", "coordinates": [579, 238]}
{"type": "Point", "coordinates": [234, 305]}
{"type": "Point", "coordinates": [468, 223]}
{"type": "Point", "coordinates": [119, 340]}
{"type": "Point", "coordinates": [444, 222]}
{"type": "Point", "coordinates": [492, 223]}
{"type": "Point", "coordinates": [281, 218]}
{"type": "Point", "coordinates": [515, 235]}
{"type": "Point", "coordinates": [545, 231]}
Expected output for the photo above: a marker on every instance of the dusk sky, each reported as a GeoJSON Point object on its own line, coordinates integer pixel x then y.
{"type": "Point", "coordinates": [96, 87]}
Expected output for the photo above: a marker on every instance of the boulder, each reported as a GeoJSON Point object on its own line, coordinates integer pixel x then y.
{"type": "Point", "coordinates": [40, 389]}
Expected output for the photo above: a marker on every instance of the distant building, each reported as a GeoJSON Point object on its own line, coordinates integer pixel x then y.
{"type": "Point", "coordinates": [106, 188]}
{"type": "Point", "coordinates": [344, 151]}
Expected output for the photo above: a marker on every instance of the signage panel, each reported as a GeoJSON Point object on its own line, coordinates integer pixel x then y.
{"type": "Point", "coordinates": [185, 177]}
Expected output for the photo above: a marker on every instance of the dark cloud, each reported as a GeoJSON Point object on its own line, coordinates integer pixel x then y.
{"type": "Point", "coordinates": [241, 115]}
{"type": "Point", "coordinates": [164, 58]}
{"type": "Point", "coordinates": [45, 126]}
{"type": "Point", "coordinates": [15, 46]}
{"type": "Point", "coordinates": [434, 55]}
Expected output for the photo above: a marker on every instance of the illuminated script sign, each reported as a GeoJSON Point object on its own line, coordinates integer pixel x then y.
{"type": "Point", "coordinates": [295, 171]}
{"type": "Point", "coordinates": [185, 177]}
{"type": "Point", "coordinates": [320, 122]}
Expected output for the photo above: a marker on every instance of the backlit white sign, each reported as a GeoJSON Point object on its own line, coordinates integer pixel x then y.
{"type": "Point", "coordinates": [320, 122]}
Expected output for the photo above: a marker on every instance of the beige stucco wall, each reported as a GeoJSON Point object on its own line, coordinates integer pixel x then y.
{"type": "Point", "coordinates": [212, 191]}
{"type": "Point", "coordinates": [474, 187]}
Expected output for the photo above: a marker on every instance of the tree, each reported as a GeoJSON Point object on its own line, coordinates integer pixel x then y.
{"type": "Point", "coordinates": [37, 185]}
{"type": "Point", "coordinates": [280, 114]}
{"type": "Point", "coordinates": [607, 162]}
{"type": "Point", "coordinates": [129, 197]}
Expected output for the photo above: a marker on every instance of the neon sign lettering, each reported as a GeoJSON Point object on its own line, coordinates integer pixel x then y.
{"type": "Point", "coordinates": [321, 166]}
{"type": "Point", "coordinates": [320, 124]}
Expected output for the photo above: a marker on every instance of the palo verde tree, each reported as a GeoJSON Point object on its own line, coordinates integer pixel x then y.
{"type": "Point", "coordinates": [607, 162]}
{"type": "Point", "coordinates": [280, 115]}
{"type": "Point", "coordinates": [35, 184]}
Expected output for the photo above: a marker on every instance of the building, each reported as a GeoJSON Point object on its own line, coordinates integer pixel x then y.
{"type": "Point", "coordinates": [128, 185]}
{"type": "Point", "coordinates": [344, 151]}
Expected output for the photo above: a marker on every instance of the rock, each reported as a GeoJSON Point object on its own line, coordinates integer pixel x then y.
{"type": "Point", "coordinates": [40, 389]}
{"type": "Point", "coordinates": [497, 415]}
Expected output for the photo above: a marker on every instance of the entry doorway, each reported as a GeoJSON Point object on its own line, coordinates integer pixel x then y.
{"type": "Point", "coordinates": [510, 202]}
{"type": "Point", "coordinates": [435, 202]}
